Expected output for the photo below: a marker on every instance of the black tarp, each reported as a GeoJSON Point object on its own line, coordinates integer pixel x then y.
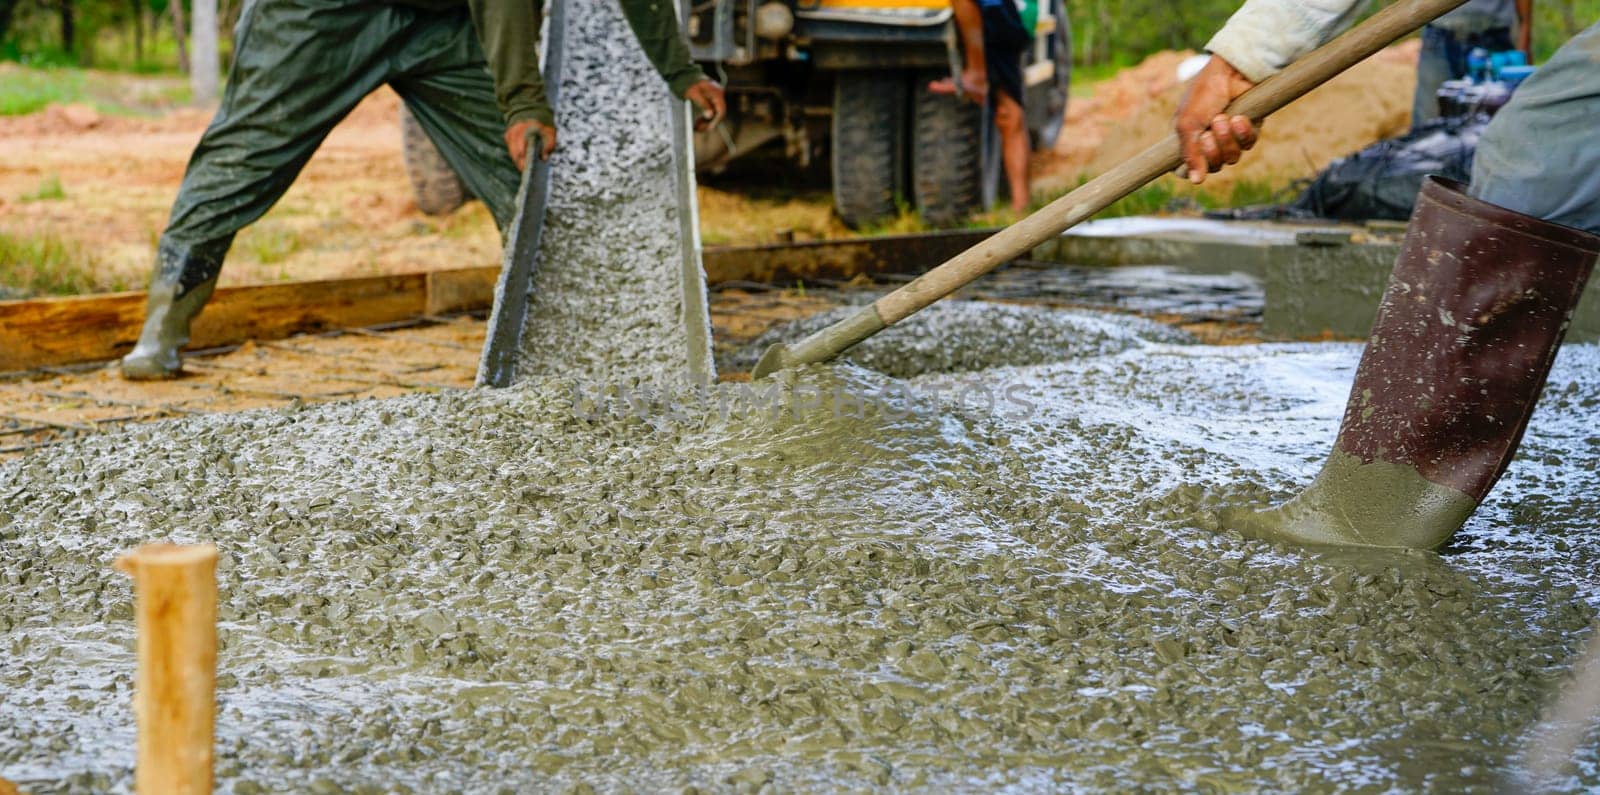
{"type": "Point", "coordinates": [1382, 180]}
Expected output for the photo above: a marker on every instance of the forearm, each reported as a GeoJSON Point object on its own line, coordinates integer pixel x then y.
{"type": "Point", "coordinates": [509, 33]}
{"type": "Point", "coordinates": [655, 25]}
{"type": "Point", "coordinates": [969, 25]}
{"type": "Point", "coordinates": [1525, 27]}
{"type": "Point", "coordinates": [1266, 35]}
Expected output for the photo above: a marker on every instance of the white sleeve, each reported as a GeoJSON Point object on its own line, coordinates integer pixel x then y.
{"type": "Point", "coordinates": [1264, 36]}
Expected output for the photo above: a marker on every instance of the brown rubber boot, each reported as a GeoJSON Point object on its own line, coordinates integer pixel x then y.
{"type": "Point", "coordinates": [177, 293]}
{"type": "Point", "coordinates": [1478, 303]}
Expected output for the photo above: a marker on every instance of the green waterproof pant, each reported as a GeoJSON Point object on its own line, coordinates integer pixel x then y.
{"type": "Point", "coordinates": [299, 67]}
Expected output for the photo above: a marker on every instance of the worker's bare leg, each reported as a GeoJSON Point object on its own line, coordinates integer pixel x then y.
{"type": "Point", "coordinates": [1012, 125]}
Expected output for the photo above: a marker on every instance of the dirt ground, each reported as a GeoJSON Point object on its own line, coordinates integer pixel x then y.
{"type": "Point", "coordinates": [51, 405]}
{"type": "Point", "coordinates": [349, 214]}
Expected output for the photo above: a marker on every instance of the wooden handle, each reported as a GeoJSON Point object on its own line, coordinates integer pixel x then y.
{"type": "Point", "coordinates": [175, 605]}
{"type": "Point", "coordinates": [1161, 158]}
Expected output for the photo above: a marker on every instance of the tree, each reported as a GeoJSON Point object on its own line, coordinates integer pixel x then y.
{"type": "Point", "coordinates": [203, 63]}
{"type": "Point", "coordinates": [68, 25]}
{"type": "Point", "coordinates": [7, 7]}
{"type": "Point", "coordinates": [176, 7]}
{"type": "Point", "coordinates": [137, 9]}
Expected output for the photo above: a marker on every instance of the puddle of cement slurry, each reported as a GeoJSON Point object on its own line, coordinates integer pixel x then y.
{"type": "Point", "coordinates": [522, 589]}
{"type": "Point", "coordinates": [610, 299]}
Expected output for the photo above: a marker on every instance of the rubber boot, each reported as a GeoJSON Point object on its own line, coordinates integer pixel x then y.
{"type": "Point", "coordinates": [1475, 309]}
{"type": "Point", "coordinates": [178, 292]}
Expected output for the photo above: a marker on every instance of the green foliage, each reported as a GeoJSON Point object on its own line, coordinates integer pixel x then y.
{"type": "Point", "coordinates": [268, 242]}
{"type": "Point", "coordinates": [30, 90]}
{"type": "Point", "coordinates": [905, 221]}
{"type": "Point", "coordinates": [1118, 33]}
{"type": "Point", "coordinates": [125, 35]}
{"type": "Point", "coordinates": [1171, 195]}
{"type": "Point", "coordinates": [49, 190]}
{"type": "Point", "coordinates": [32, 265]}
{"type": "Point", "coordinates": [1555, 21]}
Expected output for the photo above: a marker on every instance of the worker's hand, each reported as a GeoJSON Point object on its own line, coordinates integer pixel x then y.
{"type": "Point", "coordinates": [1210, 139]}
{"type": "Point", "coordinates": [517, 140]}
{"type": "Point", "coordinates": [708, 98]}
{"type": "Point", "coordinates": [974, 86]}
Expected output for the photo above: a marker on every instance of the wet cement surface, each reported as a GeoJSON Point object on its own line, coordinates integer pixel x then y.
{"type": "Point", "coordinates": [963, 336]}
{"type": "Point", "coordinates": [885, 582]}
{"type": "Point", "coordinates": [608, 298]}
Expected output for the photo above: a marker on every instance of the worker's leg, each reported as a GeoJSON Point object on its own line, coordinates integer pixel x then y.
{"type": "Point", "coordinates": [299, 66]}
{"type": "Point", "coordinates": [1539, 156]}
{"type": "Point", "coordinates": [1477, 304]}
{"type": "Point", "coordinates": [445, 81]}
{"type": "Point", "coordinates": [1476, 308]}
{"type": "Point", "coordinates": [1014, 149]}
{"type": "Point", "coordinates": [1004, 41]}
{"type": "Point", "coordinates": [1435, 65]}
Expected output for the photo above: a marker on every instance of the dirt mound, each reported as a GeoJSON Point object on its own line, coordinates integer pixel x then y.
{"type": "Point", "coordinates": [1128, 112]}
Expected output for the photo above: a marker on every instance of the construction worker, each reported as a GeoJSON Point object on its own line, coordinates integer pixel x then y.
{"type": "Point", "coordinates": [1476, 307]}
{"type": "Point", "coordinates": [994, 37]}
{"type": "Point", "coordinates": [467, 69]}
{"type": "Point", "coordinates": [1494, 25]}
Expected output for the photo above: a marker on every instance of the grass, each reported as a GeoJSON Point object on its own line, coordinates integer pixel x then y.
{"type": "Point", "coordinates": [25, 90]}
{"type": "Point", "coordinates": [906, 221]}
{"type": "Point", "coordinates": [1170, 195]}
{"type": "Point", "coordinates": [49, 190]}
{"type": "Point", "coordinates": [35, 265]}
{"type": "Point", "coordinates": [30, 89]}
{"type": "Point", "coordinates": [268, 243]}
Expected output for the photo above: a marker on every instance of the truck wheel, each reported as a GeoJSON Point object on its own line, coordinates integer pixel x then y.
{"type": "Point", "coordinates": [947, 157]}
{"type": "Point", "coordinates": [868, 144]}
{"type": "Point", "coordinates": [434, 184]}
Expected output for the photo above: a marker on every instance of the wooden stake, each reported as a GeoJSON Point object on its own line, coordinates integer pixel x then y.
{"type": "Point", "coordinates": [175, 602]}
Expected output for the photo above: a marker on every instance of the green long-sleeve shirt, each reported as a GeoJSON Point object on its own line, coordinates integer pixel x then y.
{"type": "Point", "coordinates": [509, 32]}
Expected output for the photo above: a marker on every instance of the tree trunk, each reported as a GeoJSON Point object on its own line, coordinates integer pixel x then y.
{"type": "Point", "coordinates": [68, 28]}
{"type": "Point", "coordinates": [138, 31]}
{"type": "Point", "coordinates": [6, 7]}
{"type": "Point", "coordinates": [203, 63]}
{"type": "Point", "coordinates": [176, 6]}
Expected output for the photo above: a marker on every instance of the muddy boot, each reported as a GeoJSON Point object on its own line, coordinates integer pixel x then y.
{"type": "Point", "coordinates": [177, 293]}
{"type": "Point", "coordinates": [1475, 309]}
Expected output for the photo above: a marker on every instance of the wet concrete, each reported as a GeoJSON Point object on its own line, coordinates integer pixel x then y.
{"type": "Point", "coordinates": [1164, 290]}
{"type": "Point", "coordinates": [1312, 291]}
{"type": "Point", "coordinates": [611, 299]}
{"type": "Point", "coordinates": [882, 582]}
{"type": "Point", "coordinates": [961, 336]}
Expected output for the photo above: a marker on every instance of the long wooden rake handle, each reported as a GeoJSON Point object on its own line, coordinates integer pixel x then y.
{"type": "Point", "coordinates": [1160, 158]}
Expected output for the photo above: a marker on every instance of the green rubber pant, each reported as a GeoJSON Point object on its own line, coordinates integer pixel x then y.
{"type": "Point", "coordinates": [300, 66]}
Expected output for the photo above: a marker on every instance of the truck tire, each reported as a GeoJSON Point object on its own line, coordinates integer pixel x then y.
{"type": "Point", "coordinates": [947, 158]}
{"type": "Point", "coordinates": [868, 144]}
{"type": "Point", "coordinates": [436, 187]}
